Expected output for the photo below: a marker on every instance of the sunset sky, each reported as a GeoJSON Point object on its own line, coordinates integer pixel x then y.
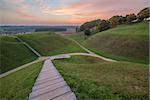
{"type": "Point", "coordinates": [64, 12]}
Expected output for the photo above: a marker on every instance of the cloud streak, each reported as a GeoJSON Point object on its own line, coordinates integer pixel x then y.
{"type": "Point", "coordinates": [64, 11]}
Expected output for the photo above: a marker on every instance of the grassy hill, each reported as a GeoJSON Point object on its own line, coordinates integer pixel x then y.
{"type": "Point", "coordinates": [80, 37]}
{"type": "Point", "coordinates": [13, 54]}
{"type": "Point", "coordinates": [18, 85]}
{"type": "Point", "coordinates": [94, 79]}
{"type": "Point", "coordinates": [48, 43]}
{"type": "Point", "coordinates": [126, 42]}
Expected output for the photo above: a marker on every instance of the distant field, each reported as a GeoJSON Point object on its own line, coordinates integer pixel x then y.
{"type": "Point", "coordinates": [126, 42]}
{"type": "Point", "coordinates": [13, 54]}
{"type": "Point", "coordinates": [18, 85]}
{"type": "Point", "coordinates": [48, 43]}
{"type": "Point", "coordinates": [94, 79]}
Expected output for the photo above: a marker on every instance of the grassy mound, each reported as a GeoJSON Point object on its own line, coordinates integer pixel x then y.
{"type": "Point", "coordinates": [126, 42]}
{"type": "Point", "coordinates": [13, 54]}
{"type": "Point", "coordinates": [18, 85]}
{"type": "Point", "coordinates": [47, 43]}
{"type": "Point", "coordinates": [79, 37]}
{"type": "Point", "coordinates": [94, 79]}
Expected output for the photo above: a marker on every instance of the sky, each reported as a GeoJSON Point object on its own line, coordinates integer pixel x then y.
{"type": "Point", "coordinates": [64, 12]}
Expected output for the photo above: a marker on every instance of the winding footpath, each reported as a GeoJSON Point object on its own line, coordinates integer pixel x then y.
{"type": "Point", "coordinates": [90, 53]}
{"type": "Point", "coordinates": [49, 84]}
{"type": "Point", "coordinates": [29, 47]}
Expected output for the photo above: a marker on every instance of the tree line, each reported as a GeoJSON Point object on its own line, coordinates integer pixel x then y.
{"type": "Point", "coordinates": [101, 25]}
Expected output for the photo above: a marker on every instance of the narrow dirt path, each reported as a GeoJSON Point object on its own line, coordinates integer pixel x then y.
{"type": "Point", "coordinates": [53, 57]}
{"type": "Point", "coordinates": [92, 53]}
{"type": "Point", "coordinates": [23, 66]}
{"type": "Point", "coordinates": [29, 47]}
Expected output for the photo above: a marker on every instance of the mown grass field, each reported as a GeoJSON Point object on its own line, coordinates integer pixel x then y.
{"type": "Point", "coordinates": [48, 43]}
{"type": "Point", "coordinates": [125, 42]}
{"type": "Point", "coordinates": [18, 85]}
{"type": "Point", "coordinates": [13, 54]}
{"type": "Point", "coordinates": [94, 79]}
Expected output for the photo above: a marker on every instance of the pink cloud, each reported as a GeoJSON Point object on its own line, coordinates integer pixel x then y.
{"type": "Point", "coordinates": [25, 13]}
{"type": "Point", "coordinates": [76, 11]}
{"type": "Point", "coordinates": [67, 10]}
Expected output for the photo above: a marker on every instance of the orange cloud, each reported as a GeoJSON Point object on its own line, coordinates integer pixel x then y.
{"type": "Point", "coordinates": [68, 10]}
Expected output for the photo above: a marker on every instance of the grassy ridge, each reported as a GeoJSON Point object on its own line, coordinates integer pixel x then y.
{"type": "Point", "coordinates": [13, 54]}
{"type": "Point", "coordinates": [18, 85]}
{"type": "Point", "coordinates": [50, 44]}
{"type": "Point", "coordinates": [80, 37]}
{"type": "Point", "coordinates": [104, 80]}
{"type": "Point", "coordinates": [127, 42]}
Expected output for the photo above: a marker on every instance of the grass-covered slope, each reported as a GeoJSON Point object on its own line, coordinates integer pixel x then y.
{"type": "Point", "coordinates": [126, 42]}
{"type": "Point", "coordinates": [48, 43]}
{"type": "Point", "coordinates": [18, 85]}
{"type": "Point", "coordinates": [94, 79]}
{"type": "Point", "coordinates": [13, 54]}
{"type": "Point", "coordinates": [79, 37]}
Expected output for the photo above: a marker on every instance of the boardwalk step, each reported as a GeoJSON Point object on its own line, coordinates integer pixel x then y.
{"type": "Point", "coordinates": [50, 85]}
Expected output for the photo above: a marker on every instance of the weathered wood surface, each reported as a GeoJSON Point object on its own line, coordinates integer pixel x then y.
{"type": "Point", "coordinates": [50, 85]}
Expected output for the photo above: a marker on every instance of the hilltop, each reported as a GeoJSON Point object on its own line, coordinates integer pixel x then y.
{"type": "Point", "coordinates": [49, 43]}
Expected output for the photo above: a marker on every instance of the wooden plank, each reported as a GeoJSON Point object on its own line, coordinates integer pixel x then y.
{"type": "Point", "coordinates": [48, 88]}
{"type": "Point", "coordinates": [52, 94]}
{"type": "Point", "coordinates": [48, 79]}
{"type": "Point", "coordinates": [67, 96]}
{"type": "Point", "coordinates": [50, 85]}
{"type": "Point", "coordinates": [43, 85]}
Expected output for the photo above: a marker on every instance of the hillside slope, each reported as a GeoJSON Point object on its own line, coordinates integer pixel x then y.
{"type": "Point", "coordinates": [18, 85]}
{"type": "Point", "coordinates": [48, 43]}
{"type": "Point", "coordinates": [94, 79]}
{"type": "Point", "coordinates": [13, 54]}
{"type": "Point", "coordinates": [126, 42]}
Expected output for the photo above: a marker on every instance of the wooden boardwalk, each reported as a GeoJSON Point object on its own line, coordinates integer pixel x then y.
{"type": "Point", "coordinates": [50, 85]}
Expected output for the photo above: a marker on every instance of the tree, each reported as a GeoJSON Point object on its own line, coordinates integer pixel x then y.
{"type": "Point", "coordinates": [117, 20]}
{"type": "Point", "coordinates": [130, 18]}
{"type": "Point", "coordinates": [144, 13]}
{"type": "Point", "coordinates": [77, 29]}
{"type": "Point", "coordinates": [87, 32]}
{"type": "Point", "coordinates": [103, 25]}
{"type": "Point", "coordinates": [89, 25]}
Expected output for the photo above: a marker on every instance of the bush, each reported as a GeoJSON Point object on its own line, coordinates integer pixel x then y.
{"type": "Point", "coordinates": [117, 20]}
{"type": "Point", "coordinates": [89, 25]}
{"type": "Point", "coordinates": [143, 14]}
{"type": "Point", "coordinates": [87, 32]}
{"type": "Point", "coordinates": [130, 18]}
{"type": "Point", "coordinates": [103, 25]}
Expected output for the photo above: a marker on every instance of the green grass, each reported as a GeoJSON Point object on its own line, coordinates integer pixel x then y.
{"type": "Point", "coordinates": [18, 85]}
{"type": "Point", "coordinates": [127, 42]}
{"type": "Point", "coordinates": [123, 43]}
{"type": "Point", "coordinates": [80, 37]}
{"type": "Point", "coordinates": [13, 54]}
{"type": "Point", "coordinates": [95, 79]}
{"type": "Point", "coordinates": [48, 43]}
{"type": "Point", "coordinates": [137, 30]}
